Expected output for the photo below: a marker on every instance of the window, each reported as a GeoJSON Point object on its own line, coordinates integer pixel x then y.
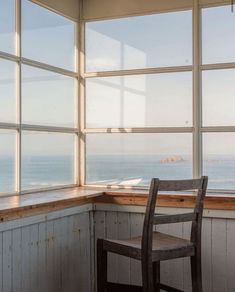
{"type": "Point", "coordinates": [47, 37]}
{"type": "Point", "coordinates": [7, 91]}
{"type": "Point", "coordinates": [49, 93]}
{"type": "Point", "coordinates": [151, 105]}
{"type": "Point", "coordinates": [218, 98]}
{"type": "Point", "coordinates": [133, 159]}
{"type": "Point", "coordinates": [151, 100]}
{"type": "Point", "coordinates": [38, 99]}
{"type": "Point", "coordinates": [7, 26]}
{"type": "Point", "coordinates": [7, 159]}
{"type": "Point", "coordinates": [47, 159]}
{"type": "Point", "coordinates": [142, 98]}
{"type": "Point", "coordinates": [148, 105]}
{"type": "Point", "coordinates": [166, 40]}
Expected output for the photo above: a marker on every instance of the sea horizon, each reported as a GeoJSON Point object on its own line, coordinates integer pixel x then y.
{"type": "Point", "coordinates": [118, 169]}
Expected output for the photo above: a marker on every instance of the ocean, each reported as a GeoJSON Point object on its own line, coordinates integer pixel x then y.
{"type": "Point", "coordinates": [139, 169]}
{"type": "Point", "coordinates": [44, 171]}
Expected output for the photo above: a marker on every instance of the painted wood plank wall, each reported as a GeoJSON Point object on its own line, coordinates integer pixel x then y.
{"type": "Point", "coordinates": [50, 254]}
{"type": "Point", "coordinates": [55, 252]}
{"type": "Point", "coordinates": [218, 251]}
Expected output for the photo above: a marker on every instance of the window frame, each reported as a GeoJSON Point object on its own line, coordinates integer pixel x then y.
{"type": "Point", "coordinates": [196, 68]}
{"type": "Point", "coordinates": [80, 131]}
{"type": "Point", "coordinates": [18, 126]}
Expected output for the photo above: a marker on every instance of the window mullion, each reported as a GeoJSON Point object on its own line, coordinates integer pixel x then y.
{"type": "Point", "coordinates": [197, 96]}
{"type": "Point", "coordinates": [18, 98]}
{"type": "Point", "coordinates": [82, 109]}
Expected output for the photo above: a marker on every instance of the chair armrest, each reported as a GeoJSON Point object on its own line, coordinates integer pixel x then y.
{"type": "Point", "coordinates": [175, 218]}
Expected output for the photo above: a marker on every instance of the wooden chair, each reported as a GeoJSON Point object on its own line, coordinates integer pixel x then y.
{"type": "Point", "coordinates": [153, 247]}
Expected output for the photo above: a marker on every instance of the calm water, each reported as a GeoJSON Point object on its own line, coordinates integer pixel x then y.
{"type": "Point", "coordinates": [139, 169]}
{"type": "Point", "coordinates": [114, 169]}
{"type": "Point", "coordinates": [37, 172]}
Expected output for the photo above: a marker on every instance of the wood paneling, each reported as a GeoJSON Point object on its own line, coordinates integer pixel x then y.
{"type": "Point", "coordinates": [112, 232]}
{"type": "Point", "coordinates": [230, 265]}
{"type": "Point", "coordinates": [68, 8]}
{"type": "Point", "coordinates": [102, 9]}
{"type": "Point", "coordinates": [214, 2]}
{"type": "Point", "coordinates": [49, 256]}
{"type": "Point", "coordinates": [54, 252]}
{"type": "Point", "coordinates": [218, 255]}
{"type": "Point", "coordinates": [96, 9]}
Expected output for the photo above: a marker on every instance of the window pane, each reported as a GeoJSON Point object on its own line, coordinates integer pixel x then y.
{"type": "Point", "coordinates": [47, 37]}
{"type": "Point", "coordinates": [7, 161]}
{"type": "Point", "coordinates": [218, 42]}
{"type": "Point", "coordinates": [7, 91]}
{"type": "Point", "coordinates": [219, 160]}
{"type": "Point", "coordinates": [133, 159]}
{"type": "Point", "coordinates": [140, 101]}
{"type": "Point", "coordinates": [218, 97]}
{"type": "Point", "coordinates": [47, 159]}
{"type": "Point", "coordinates": [139, 42]}
{"type": "Point", "coordinates": [7, 26]}
{"type": "Point", "coordinates": [47, 98]}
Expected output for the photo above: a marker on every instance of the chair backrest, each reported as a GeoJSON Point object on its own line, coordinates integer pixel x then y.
{"type": "Point", "coordinates": [200, 185]}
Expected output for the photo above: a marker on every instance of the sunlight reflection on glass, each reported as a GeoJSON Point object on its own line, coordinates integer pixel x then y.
{"type": "Point", "coordinates": [7, 91]}
{"type": "Point", "coordinates": [49, 93]}
{"type": "Point", "coordinates": [7, 26]}
{"type": "Point", "coordinates": [166, 40]}
{"type": "Point", "coordinates": [218, 42]}
{"type": "Point", "coordinates": [218, 95]}
{"type": "Point", "coordinates": [155, 100]}
{"type": "Point", "coordinates": [41, 39]}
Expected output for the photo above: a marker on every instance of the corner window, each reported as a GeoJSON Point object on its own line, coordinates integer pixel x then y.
{"type": "Point", "coordinates": [38, 98]}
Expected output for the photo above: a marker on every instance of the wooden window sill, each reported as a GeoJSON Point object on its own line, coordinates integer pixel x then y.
{"type": "Point", "coordinates": [16, 207]}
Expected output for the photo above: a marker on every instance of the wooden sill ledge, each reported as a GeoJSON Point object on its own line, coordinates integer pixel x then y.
{"type": "Point", "coordinates": [16, 207]}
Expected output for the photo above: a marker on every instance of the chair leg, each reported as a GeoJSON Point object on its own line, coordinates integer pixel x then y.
{"type": "Point", "coordinates": [149, 277]}
{"type": "Point", "coordinates": [101, 267]}
{"type": "Point", "coordinates": [196, 273]}
{"type": "Point", "coordinates": [156, 276]}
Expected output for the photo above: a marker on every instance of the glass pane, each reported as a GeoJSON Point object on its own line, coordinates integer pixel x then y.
{"type": "Point", "coordinates": [47, 98]}
{"type": "Point", "coordinates": [139, 42]}
{"type": "Point", "coordinates": [7, 91]}
{"type": "Point", "coordinates": [7, 161]}
{"type": "Point", "coordinates": [218, 97]}
{"type": "Point", "coordinates": [47, 37]}
{"type": "Point", "coordinates": [47, 159]}
{"type": "Point", "coordinates": [159, 100]}
{"type": "Point", "coordinates": [218, 42]}
{"type": "Point", "coordinates": [219, 160]}
{"type": "Point", "coordinates": [7, 26]}
{"type": "Point", "coordinates": [133, 159]}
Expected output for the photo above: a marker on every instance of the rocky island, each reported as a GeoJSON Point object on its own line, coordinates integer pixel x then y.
{"type": "Point", "coordinates": [171, 159]}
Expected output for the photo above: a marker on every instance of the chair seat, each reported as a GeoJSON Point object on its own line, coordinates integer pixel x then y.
{"type": "Point", "coordinates": [164, 247]}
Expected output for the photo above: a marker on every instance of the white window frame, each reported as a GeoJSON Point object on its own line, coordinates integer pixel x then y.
{"type": "Point", "coordinates": [18, 126]}
{"type": "Point", "coordinates": [80, 131]}
{"type": "Point", "coordinates": [196, 68]}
